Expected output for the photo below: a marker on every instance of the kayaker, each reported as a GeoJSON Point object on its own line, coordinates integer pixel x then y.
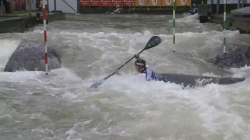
{"type": "Point", "coordinates": [143, 69]}
{"type": "Point", "coordinates": [118, 10]}
{"type": "Point", "coordinates": [194, 10]}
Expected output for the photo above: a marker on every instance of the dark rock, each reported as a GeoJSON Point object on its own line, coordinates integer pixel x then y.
{"type": "Point", "coordinates": [235, 58]}
{"type": "Point", "coordinates": [30, 57]}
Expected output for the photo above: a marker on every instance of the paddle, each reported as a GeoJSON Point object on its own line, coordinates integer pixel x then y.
{"type": "Point", "coordinates": [154, 41]}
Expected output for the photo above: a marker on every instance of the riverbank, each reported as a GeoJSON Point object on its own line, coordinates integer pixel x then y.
{"type": "Point", "coordinates": [237, 19]}
{"type": "Point", "coordinates": [233, 22]}
{"type": "Point", "coordinates": [20, 22]}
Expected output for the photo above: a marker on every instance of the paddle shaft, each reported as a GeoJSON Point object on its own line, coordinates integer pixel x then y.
{"type": "Point", "coordinates": [154, 41]}
{"type": "Point", "coordinates": [123, 65]}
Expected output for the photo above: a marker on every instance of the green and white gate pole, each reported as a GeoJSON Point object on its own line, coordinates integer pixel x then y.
{"type": "Point", "coordinates": [174, 7]}
{"type": "Point", "coordinates": [224, 26]}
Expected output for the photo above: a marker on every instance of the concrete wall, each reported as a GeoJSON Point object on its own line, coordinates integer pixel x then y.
{"type": "Point", "coordinates": [18, 24]}
{"type": "Point", "coordinates": [204, 9]}
{"type": "Point", "coordinates": [66, 6]}
{"type": "Point", "coordinates": [239, 23]}
{"type": "Point", "coordinates": [233, 23]}
{"type": "Point", "coordinates": [31, 5]}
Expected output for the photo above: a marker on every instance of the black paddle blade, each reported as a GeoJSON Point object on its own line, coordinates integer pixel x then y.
{"type": "Point", "coordinates": [96, 84]}
{"type": "Point", "coordinates": [154, 41]}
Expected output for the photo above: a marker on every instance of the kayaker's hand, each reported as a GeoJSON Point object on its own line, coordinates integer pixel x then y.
{"type": "Point", "coordinates": [136, 55]}
{"type": "Point", "coordinates": [117, 72]}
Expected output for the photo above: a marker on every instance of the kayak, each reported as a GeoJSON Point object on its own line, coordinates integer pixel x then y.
{"type": "Point", "coordinates": [110, 13]}
{"type": "Point", "coordinates": [195, 80]}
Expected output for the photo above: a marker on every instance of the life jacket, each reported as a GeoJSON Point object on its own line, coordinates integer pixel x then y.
{"type": "Point", "coordinates": [149, 74]}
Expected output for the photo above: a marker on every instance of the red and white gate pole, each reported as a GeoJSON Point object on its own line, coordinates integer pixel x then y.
{"type": "Point", "coordinates": [45, 38]}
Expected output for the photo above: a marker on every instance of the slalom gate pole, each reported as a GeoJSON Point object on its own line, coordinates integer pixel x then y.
{"type": "Point", "coordinates": [45, 38]}
{"type": "Point", "coordinates": [174, 8]}
{"type": "Point", "coordinates": [224, 26]}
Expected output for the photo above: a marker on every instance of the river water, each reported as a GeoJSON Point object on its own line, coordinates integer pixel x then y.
{"type": "Point", "coordinates": [61, 106]}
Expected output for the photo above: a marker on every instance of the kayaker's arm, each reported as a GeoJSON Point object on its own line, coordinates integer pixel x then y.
{"type": "Point", "coordinates": [117, 71]}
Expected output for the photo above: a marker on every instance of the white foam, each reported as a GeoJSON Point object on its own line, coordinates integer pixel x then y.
{"type": "Point", "coordinates": [131, 107]}
{"type": "Point", "coordinates": [19, 76]}
{"type": "Point", "coordinates": [6, 50]}
{"type": "Point", "coordinates": [187, 40]}
{"type": "Point", "coordinates": [189, 18]}
{"type": "Point", "coordinates": [240, 72]}
{"type": "Point", "coordinates": [193, 45]}
{"type": "Point", "coordinates": [209, 100]}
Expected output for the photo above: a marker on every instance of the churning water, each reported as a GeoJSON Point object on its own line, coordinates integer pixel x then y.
{"type": "Point", "coordinates": [61, 106]}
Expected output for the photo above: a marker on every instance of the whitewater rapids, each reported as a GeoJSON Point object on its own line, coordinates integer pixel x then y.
{"type": "Point", "coordinates": [60, 106]}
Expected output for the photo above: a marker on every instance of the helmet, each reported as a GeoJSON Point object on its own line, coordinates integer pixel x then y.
{"type": "Point", "coordinates": [140, 62]}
